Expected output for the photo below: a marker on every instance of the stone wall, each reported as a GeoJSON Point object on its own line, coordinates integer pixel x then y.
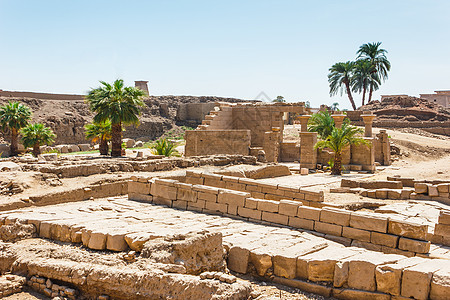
{"type": "Point", "coordinates": [209, 142]}
{"type": "Point", "coordinates": [442, 229]}
{"type": "Point", "coordinates": [194, 111]}
{"type": "Point", "coordinates": [368, 230]}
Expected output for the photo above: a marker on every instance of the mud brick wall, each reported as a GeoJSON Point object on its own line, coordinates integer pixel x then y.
{"type": "Point", "coordinates": [257, 189]}
{"type": "Point", "coordinates": [372, 231]}
{"type": "Point", "coordinates": [209, 142]}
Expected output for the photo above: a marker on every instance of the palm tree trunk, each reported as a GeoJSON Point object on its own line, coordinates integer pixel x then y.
{"type": "Point", "coordinates": [14, 149]}
{"type": "Point", "coordinates": [116, 140]}
{"type": "Point", "coordinates": [370, 94]}
{"type": "Point", "coordinates": [36, 149]}
{"type": "Point", "coordinates": [350, 97]}
{"type": "Point", "coordinates": [103, 147]}
{"type": "Point", "coordinates": [337, 167]}
{"type": "Point", "coordinates": [364, 95]}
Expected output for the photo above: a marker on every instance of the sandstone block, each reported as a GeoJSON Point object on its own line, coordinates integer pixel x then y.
{"type": "Point", "coordinates": [414, 245]}
{"type": "Point", "coordinates": [432, 190]}
{"type": "Point", "coordinates": [389, 276]}
{"type": "Point", "coordinates": [341, 274]}
{"type": "Point", "coordinates": [301, 223]}
{"type": "Point", "coordinates": [268, 205]}
{"type": "Point", "coordinates": [138, 187]}
{"type": "Point", "coordinates": [197, 205]}
{"type": "Point", "coordinates": [442, 229]}
{"type": "Point", "coordinates": [208, 197]}
{"type": "Point", "coordinates": [162, 201]}
{"type": "Point", "coordinates": [251, 203]}
{"type": "Point", "coordinates": [369, 221]}
{"type": "Point", "coordinates": [116, 242]}
{"type": "Point", "coordinates": [238, 259]}
{"type": "Point", "coordinates": [232, 197]}
{"type": "Point", "coordinates": [407, 229]}
{"type": "Point", "coordinates": [388, 240]}
{"type": "Point", "coordinates": [420, 188]}
{"type": "Point", "coordinates": [328, 228]}
{"type": "Point", "coordinates": [180, 204]}
{"type": "Point", "coordinates": [416, 280]}
{"type": "Point", "coordinates": [235, 186]}
{"type": "Point", "coordinates": [355, 294]}
{"type": "Point", "coordinates": [164, 191]}
{"type": "Point", "coordinates": [394, 194]}
{"type": "Point", "coordinates": [335, 216]}
{"type": "Point", "coordinates": [310, 213]}
{"type": "Point", "coordinates": [186, 194]}
{"type": "Point", "coordinates": [362, 269]}
{"type": "Point", "coordinates": [249, 213]}
{"type": "Point", "coordinates": [444, 217]}
{"type": "Point", "coordinates": [205, 189]}
{"type": "Point", "coordinates": [140, 197]}
{"type": "Point", "coordinates": [222, 207]}
{"type": "Point", "coordinates": [97, 240]}
{"type": "Point", "coordinates": [284, 265]}
{"type": "Point", "coordinates": [440, 285]}
{"type": "Point", "coordinates": [288, 208]}
{"type": "Point", "coordinates": [275, 218]}
{"type": "Point", "coordinates": [261, 261]}
{"type": "Point", "coordinates": [356, 234]}
{"type": "Point", "coordinates": [309, 287]}
{"type": "Point", "coordinates": [443, 188]}
{"type": "Point", "coordinates": [381, 193]}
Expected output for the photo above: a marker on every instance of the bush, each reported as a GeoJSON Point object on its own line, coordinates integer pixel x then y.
{"type": "Point", "coordinates": [164, 147]}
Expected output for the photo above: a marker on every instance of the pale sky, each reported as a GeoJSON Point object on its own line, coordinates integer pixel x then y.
{"type": "Point", "coordinates": [221, 48]}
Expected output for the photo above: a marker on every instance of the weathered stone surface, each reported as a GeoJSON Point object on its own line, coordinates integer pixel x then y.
{"type": "Point", "coordinates": [349, 294]}
{"type": "Point", "coordinates": [420, 188]}
{"type": "Point", "coordinates": [414, 245]}
{"type": "Point", "coordinates": [310, 213]}
{"type": "Point", "coordinates": [97, 240]}
{"type": "Point", "coordinates": [444, 217]}
{"type": "Point", "coordinates": [407, 229]}
{"type": "Point", "coordinates": [238, 259]}
{"type": "Point", "coordinates": [288, 208]}
{"type": "Point", "coordinates": [442, 229]}
{"type": "Point", "coordinates": [232, 197]}
{"type": "Point", "coordinates": [440, 285]}
{"type": "Point", "coordinates": [116, 242]}
{"type": "Point", "coordinates": [261, 261]}
{"type": "Point", "coordinates": [301, 223]}
{"type": "Point", "coordinates": [335, 216]}
{"type": "Point", "coordinates": [305, 286]}
{"type": "Point", "coordinates": [268, 205]}
{"type": "Point", "coordinates": [356, 234]}
{"type": "Point", "coordinates": [328, 228]}
{"type": "Point", "coordinates": [249, 213]}
{"type": "Point", "coordinates": [389, 276]}
{"type": "Point", "coordinates": [362, 269]}
{"type": "Point", "coordinates": [388, 240]}
{"type": "Point", "coordinates": [369, 221]}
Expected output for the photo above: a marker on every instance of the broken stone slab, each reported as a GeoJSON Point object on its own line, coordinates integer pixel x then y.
{"type": "Point", "coordinates": [261, 260]}
{"type": "Point", "coordinates": [389, 276]}
{"type": "Point", "coordinates": [358, 294]}
{"type": "Point", "coordinates": [361, 274]}
{"type": "Point", "coordinates": [416, 280]}
{"type": "Point", "coordinates": [238, 259]}
{"type": "Point", "coordinates": [440, 285]}
{"type": "Point", "coordinates": [309, 287]}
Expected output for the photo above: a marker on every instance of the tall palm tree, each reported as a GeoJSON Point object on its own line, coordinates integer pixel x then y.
{"type": "Point", "coordinates": [321, 122]}
{"type": "Point", "coordinates": [338, 140]}
{"type": "Point", "coordinates": [36, 135]}
{"type": "Point", "coordinates": [364, 77]}
{"type": "Point", "coordinates": [99, 132]}
{"type": "Point", "coordinates": [116, 103]}
{"type": "Point", "coordinates": [340, 77]}
{"type": "Point", "coordinates": [335, 106]}
{"type": "Point", "coordinates": [377, 57]}
{"type": "Point", "coordinates": [13, 117]}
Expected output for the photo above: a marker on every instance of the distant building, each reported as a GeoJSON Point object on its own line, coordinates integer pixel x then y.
{"type": "Point", "coordinates": [441, 97]}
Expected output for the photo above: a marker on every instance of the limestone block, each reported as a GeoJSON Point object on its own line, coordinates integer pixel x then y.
{"type": "Point", "coordinates": [389, 276]}
{"type": "Point", "coordinates": [249, 213]}
{"type": "Point", "coordinates": [186, 194]}
{"type": "Point", "coordinates": [335, 216]}
{"type": "Point", "coordinates": [309, 287]}
{"type": "Point", "coordinates": [317, 197]}
{"type": "Point", "coordinates": [301, 223]}
{"type": "Point", "coordinates": [416, 280]}
{"type": "Point", "coordinates": [238, 259]}
{"type": "Point", "coordinates": [251, 203]}
{"type": "Point", "coordinates": [164, 191]}
{"type": "Point", "coordinates": [162, 201]}
{"type": "Point", "coordinates": [268, 205]}
{"type": "Point", "coordinates": [442, 229]}
{"type": "Point", "coordinates": [407, 229]}
{"type": "Point", "coordinates": [288, 207]}
{"type": "Point", "coordinates": [180, 204]}
{"type": "Point", "coordinates": [328, 228]}
{"type": "Point", "coordinates": [381, 193]}
{"type": "Point", "coordinates": [274, 218]}
{"type": "Point", "coordinates": [443, 188]}
{"type": "Point", "coordinates": [116, 242]}
{"type": "Point", "coordinates": [366, 245]}
{"type": "Point", "coordinates": [420, 188]}
{"type": "Point", "coordinates": [208, 197]}
{"type": "Point", "coordinates": [362, 269]}
{"type": "Point", "coordinates": [414, 245]}
{"type": "Point", "coordinates": [355, 294]}
{"type": "Point", "coordinates": [388, 240]}
{"type": "Point", "coordinates": [341, 274]}
{"type": "Point", "coordinates": [44, 229]}
{"type": "Point", "coordinates": [261, 261]}
{"type": "Point", "coordinates": [197, 205]}
{"type": "Point", "coordinates": [432, 190]}
{"type": "Point", "coordinates": [369, 221]}
{"type": "Point", "coordinates": [394, 194]}
{"type": "Point", "coordinates": [285, 265]}
{"type": "Point", "coordinates": [440, 285]}
{"type": "Point", "coordinates": [138, 187]}
{"type": "Point", "coordinates": [140, 197]}
{"type": "Point", "coordinates": [356, 234]}
{"type": "Point", "coordinates": [232, 197]}
{"type": "Point", "coordinates": [235, 186]}
{"type": "Point", "coordinates": [310, 213]}
{"type": "Point", "coordinates": [205, 189]}
{"type": "Point", "coordinates": [213, 206]}
{"type": "Point", "coordinates": [444, 217]}
{"type": "Point", "coordinates": [97, 240]}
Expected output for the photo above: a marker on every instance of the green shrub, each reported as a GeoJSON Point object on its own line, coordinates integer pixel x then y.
{"type": "Point", "coordinates": [164, 147]}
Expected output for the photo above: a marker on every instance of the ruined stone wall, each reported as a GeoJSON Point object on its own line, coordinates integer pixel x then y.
{"type": "Point", "coordinates": [290, 151]}
{"type": "Point", "coordinates": [208, 142]}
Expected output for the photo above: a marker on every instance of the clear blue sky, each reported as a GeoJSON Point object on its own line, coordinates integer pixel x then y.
{"type": "Point", "coordinates": [222, 48]}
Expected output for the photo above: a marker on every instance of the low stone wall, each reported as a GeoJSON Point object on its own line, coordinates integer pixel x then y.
{"type": "Point", "coordinates": [363, 229]}
{"type": "Point", "coordinates": [257, 189]}
{"type": "Point", "coordinates": [442, 229]}
{"type": "Point", "coordinates": [209, 142]}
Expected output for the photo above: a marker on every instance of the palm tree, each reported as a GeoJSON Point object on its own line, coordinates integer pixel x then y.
{"type": "Point", "coordinates": [13, 117]}
{"type": "Point", "coordinates": [340, 77]}
{"type": "Point", "coordinates": [322, 123]}
{"type": "Point", "coordinates": [279, 99]}
{"type": "Point", "coordinates": [364, 77]}
{"type": "Point", "coordinates": [36, 135]}
{"type": "Point", "coordinates": [99, 132]}
{"type": "Point", "coordinates": [377, 57]}
{"type": "Point", "coordinates": [335, 106]}
{"type": "Point", "coordinates": [338, 140]}
{"type": "Point", "coordinates": [116, 103]}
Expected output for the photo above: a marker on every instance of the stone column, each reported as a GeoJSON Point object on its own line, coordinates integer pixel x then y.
{"type": "Point", "coordinates": [338, 118]}
{"type": "Point", "coordinates": [368, 120]}
{"type": "Point", "coordinates": [142, 85]}
{"type": "Point", "coordinates": [308, 155]}
{"type": "Point", "coordinates": [304, 122]}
